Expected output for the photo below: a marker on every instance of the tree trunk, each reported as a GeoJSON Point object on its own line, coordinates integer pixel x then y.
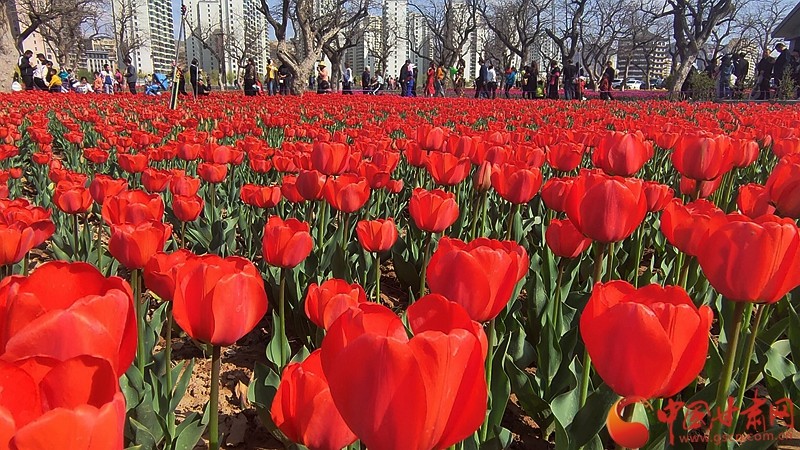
{"type": "Point", "coordinates": [8, 49]}
{"type": "Point", "coordinates": [680, 76]}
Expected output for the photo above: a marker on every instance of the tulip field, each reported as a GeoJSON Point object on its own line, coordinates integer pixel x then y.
{"type": "Point", "coordinates": [397, 274]}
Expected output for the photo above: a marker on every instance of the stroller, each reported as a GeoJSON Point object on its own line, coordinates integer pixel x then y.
{"type": "Point", "coordinates": [159, 84]}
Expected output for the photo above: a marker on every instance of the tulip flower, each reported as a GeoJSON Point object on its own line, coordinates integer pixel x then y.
{"type": "Point", "coordinates": [310, 184]}
{"type": "Point", "coordinates": [329, 158]}
{"type": "Point", "coordinates": [39, 413]}
{"type": "Point", "coordinates": [630, 336]}
{"type": "Point", "coordinates": [21, 229]}
{"type": "Point", "coordinates": [346, 193]}
{"type": "Point", "coordinates": [184, 185]}
{"type": "Point", "coordinates": [212, 173]}
{"type": "Point", "coordinates": [72, 198]}
{"type": "Point", "coordinates": [132, 163]}
{"type": "Point", "coordinates": [161, 270]}
{"type": "Point", "coordinates": [134, 244]}
{"type": "Point", "coordinates": [187, 208]}
{"type": "Point", "coordinates": [396, 411]}
{"type": "Point", "coordinates": [433, 211]}
{"type": "Point", "coordinates": [63, 310]}
{"type": "Point", "coordinates": [479, 275]}
{"type": "Point", "coordinates": [327, 301]}
{"type": "Point", "coordinates": [604, 208]}
{"type": "Point", "coordinates": [516, 184]}
{"type": "Point", "coordinates": [753, 201]}
{"type": "Point", "coordinates": [447, 169]}
{"type": "Point", "coordinates": [260, 196]}
{"type": "Point", "coordinates": [303, 408]}
{"type": "Point", "coordinates": [377, 236]}
{"type": "Point", "coordinates": [134, 207]}
{"type": "Point", "coordinates": [286, 243]}
{"type": "Point", "coordinates": [658, 195]}
{"type": "Point", "coordinates": [155, 180]}
{"type": "Point", "coordinates": [699, 189]}
{"type": "Point", "coordinates": [103, 186]}
{"type": "Point", "coordinates": [565, 156]}
{"type": "Point", "coordinates": [564, 240]}
{"type": "Point", "coordinates": [218, 301]}
{"type": "Point", "coordinates": [783, 186]}
{"type": "Point", "coordinates": [703, 157]}
{"type": "Point", "coordinates": [622, 154]}
{"type": "Point", "coordinates": [687, 226]}
{"type": "Point", "coordinates": [554, 193]}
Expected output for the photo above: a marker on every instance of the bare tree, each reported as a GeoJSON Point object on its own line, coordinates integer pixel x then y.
{"type": "Point", "coordinates": [316, 24]}
{"type": "Point", "coordinates": [129, 39]}
{"type": "Point", "coordinates": [211, 38]}
{"type": "Point", "coordinates": [756, 21]}
{"type": "Point", "coordinates": [566, 39]}
{"type": "Point", "coordinates": [693, 22]}
{"type": "Point", "coordinates": [240, 46]}
{"type": "Point", "coordinates": [517, 24]}
{"type": "Point", "coordinates": [336, 48]}
{"type": "Point", "coordinates": [605, 24]}
{"type": "Point", "coordinates": [8, 47]}
{"type": "Point", "coordinates": [68, 34]}
{"type": "Point", "coordinates": [450, 25]}
{"type": "Point", "coordinates": [32, 15]}
{"type": "Point", "coordinates": [382, 49]}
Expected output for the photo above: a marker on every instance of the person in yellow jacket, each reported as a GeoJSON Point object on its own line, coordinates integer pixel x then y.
{"type": "Point", "coordinates": [272, 78]}
{"type": "Point", "coordinates": [52, 79]}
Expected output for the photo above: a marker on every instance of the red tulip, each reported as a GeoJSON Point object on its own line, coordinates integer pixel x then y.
{"type": "Point", "coordinates": [218, 300]}
{"type": "Point", "coordinates": [160, 272]}
{"type": "Point", "coordinates": [212, 173]}
{"type": "Point", "coordinates": [63, 310]}
{"type": "Point", "coordinates": [155, 180]}
{"type": "Point", "coordinates": [289, 189]}
{"type": "Point", "coordinates": [433, 211]}
{"type": "Point", "coordinates": [330, 158]}
{"type": "Point", "coordinates": [132, 207]}
{"type": "Point", "coordinates": [554, 193]}
{"type": "Point", "coordinates": [480, 275]}
{"type": "Point", "coordinates": [604, 208]}
{"type": "Point", "coordinates": [658, 195]}
{"type": "Point", "coordinates": [699, 189]}
{"type": "Point", "coordinates": [744, 152]}
{"type": "Point", "coordinates": [327, 301]}
{"type": "Point", "coordinates": [346, 193]}
{"type": "Point", "coordinates": [515, 184]}
{"type": "Point", "coordinates": [187, 208]}
{"type": "Point", "coordinates": [260, 196]}
{"type": "Point", "coordinates": [786, 146]}
{"type": "Point", "coordinates": [702, 157]}
{"type": "Point", "coordinates": [303, 408]}
{"type": "Point", "coordinates": [447, 169]}
{"type": "Point", "coordinates": [21, 229]}
{"type": "Point", "coordinates": [432, 392]}
{"type": "Point", "coordinates": [565, 240]}
{"type": "Point", "coordinates": [431, 138]}
{"type": "Point", "coordinates": [648, 342]}
{"type": "Point", "coordinates": [376, 235]}
{"type": "Point", "coordinates": [482, 178]}
{"type": "Point", "coordinates": [310, 184]}
{"type": "Point", "coordinates": [565, 156]}
{"type": "Point", "coordinates": [132, 163]}
{"type": "Point", "coordinates": [103, 186]}
{"type": "Point", "coordinates": [39, 413]}
{"type": "Point", "coordinates": [72, 198]}
{"type": "Point", "coordinates": [622, 154]}
{"type": "Point", "coordinates": [184, 185]}
{"type": "Point", "coordinates": [752, 260]}
{"type": "Point", "coordinates": [286, 243]}
{"type": "Point", "coordinates": [783, 186]}
{"type": "Point", "coordinates": [753, 201]}
{"type": "Point", "coordinates": [134, 244]}
{"type": "Point", "coordinates": [687, 226]}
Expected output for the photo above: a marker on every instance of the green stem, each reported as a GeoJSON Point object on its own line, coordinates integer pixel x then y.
{"type": "Point", "coordinates": [282, 315]}
{"type": "Point", "coordinates": [557, 301]}
{"type": "Point", "coordinates": [140, 313]}
{"type": "Point", "coordinates": [168, 365]}
{"type": "Point", "coordinates": [484, 213]}
{"type": "Point", "coordinates": [99, 243]}
{"type": "Point", "coordinates": [213, 194]}
{"type": "Point", "coordinates": [610, 262]}
{"type": "Point", "coordinates": [639, 239]}
{"type": "Point", "coordinates": [684, 277]}
{"type": "Point", "coordinates": [75, 242]}
{"type": "Point", "coordinates": [213, 425]}
{"type": "Point", "coordinates": [424, 270]}
{"type": "Point", "coordinates": [745, 372]}
{"type": "Point", "coordinates": [321, 222]}
{"type": "Point", "coordinates": [183, 234]}
{"type": "Point", "coordinates": [490, 334]}
{"type": "Point", "coordinates": [476, 214]}
{"type": "Point", "coordinates": [715, 435]}
{"type": "Point", "coordinates": [512, 213]}
{"type": "Point", "coordinates": [377, 278]}
{"type": "Point", "coordinates": [26, 264]}
{"type": "Point", "coordinates": [587, 360]}
{"type": "Point", "coordinates": [599, 255]}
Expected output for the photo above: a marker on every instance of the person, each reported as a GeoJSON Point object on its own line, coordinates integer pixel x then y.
{"type": "Point", "coordinates": [570, 78]}
{"type": "Point", "coordinates": [65, 82]}
{"type": "Point", "coordinates": [605, 81]}
{"type": "Point", "coordinates": [366, 80]}
{"type": "Point", "coordinates": [131, 77]}
{"type": "Point", "coordinates": [741, 68]}
{"type": "Point", "coordinates": [377, 84]}
{"type": "Point", "coordinates": [403, 77]}
{"type": "Point", "coordinates": [25, 69]}
{"type": "Point", "coordinates": [532, 80]}
{"type": "Point", "coordinates": [781, 63]}
{"type": "Point", "coordinates": [491, 82]}
{"type": "Point", "coordinates": [323, 79]}
{"type": "Point", "coordinates": [795, 62]}
{"type": "Point", "coordinates": [284, 79]}
{"type": "Point", "coordinates": [272, 77]}
{"type": "Point", "coordinates": [458, 82]}
{"type": "Point", "coordinates": [250, 78]}
{"type": "Point", "coordinates": [108, 79]}
{"type": "Point", "coordinates": [202, 88]}
{"type": "Point", "coordinates": [53, 80]}
{"type": "Point", "coordinates": [182, 81]}
{"type": "Point", "coordinates": [438, 83]}
{"type": "Point", "coordinates": [480, 82]}
{"type": "Point", "coordinates": [16, 86]}
{"type": "Point", "coordinates": [347, 80]}
{"type": "Point", "coordinates": [194, 77]}
{"type": "Point", "coordinates": [409, 80]}
{"type": "Point", "coordinates": [97, 84]}
{"type": "Point", "coordinates": [83, 87]}
{"type": "Point", "coordinates": [430, 81]}
{"type": "Point", "coordinates": [552, 81]}
{"type": "Point", "coordinates": [40, 72]}
{"type": "Point", "coordinates": [511, 80]}
{"type": "Point", "coordinates": [763, 76]}
{"type": "Point", "coordinates": [415, 76]}
{"type": "Point", "coordinates": [118, 80]}
{"type": "Point", "coordinates": [724, 80]}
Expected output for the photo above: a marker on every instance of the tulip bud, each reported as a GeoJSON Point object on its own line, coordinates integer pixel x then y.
{"type": "Point", "coordinates": [482, 178]}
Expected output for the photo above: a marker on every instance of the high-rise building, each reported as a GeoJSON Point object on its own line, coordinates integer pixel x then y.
{"type": "Point", "coordinates": [369, 49]}
{"type": "Point", "coordinates": [643, 58]}
{"type": "Point", "coordinates": [98, 52]}
{"type": "Point", "coordinates": [420, 46]}
{"type": "Point", "coordinates": [395, 32]}
{"type": "Point", "coordinates": [150, 34]}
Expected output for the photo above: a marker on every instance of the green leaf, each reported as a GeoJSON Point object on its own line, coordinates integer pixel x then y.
{"type": "Point", "coordinates": [278, 350]}
{"type": "Point", "coordinates": [191, 430]}
{"type": "Point", "coordinates": [590, 419]}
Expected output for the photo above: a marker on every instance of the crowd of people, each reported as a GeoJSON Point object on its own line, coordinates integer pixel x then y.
{"type": "Point", "coordinates": [43, 75]}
